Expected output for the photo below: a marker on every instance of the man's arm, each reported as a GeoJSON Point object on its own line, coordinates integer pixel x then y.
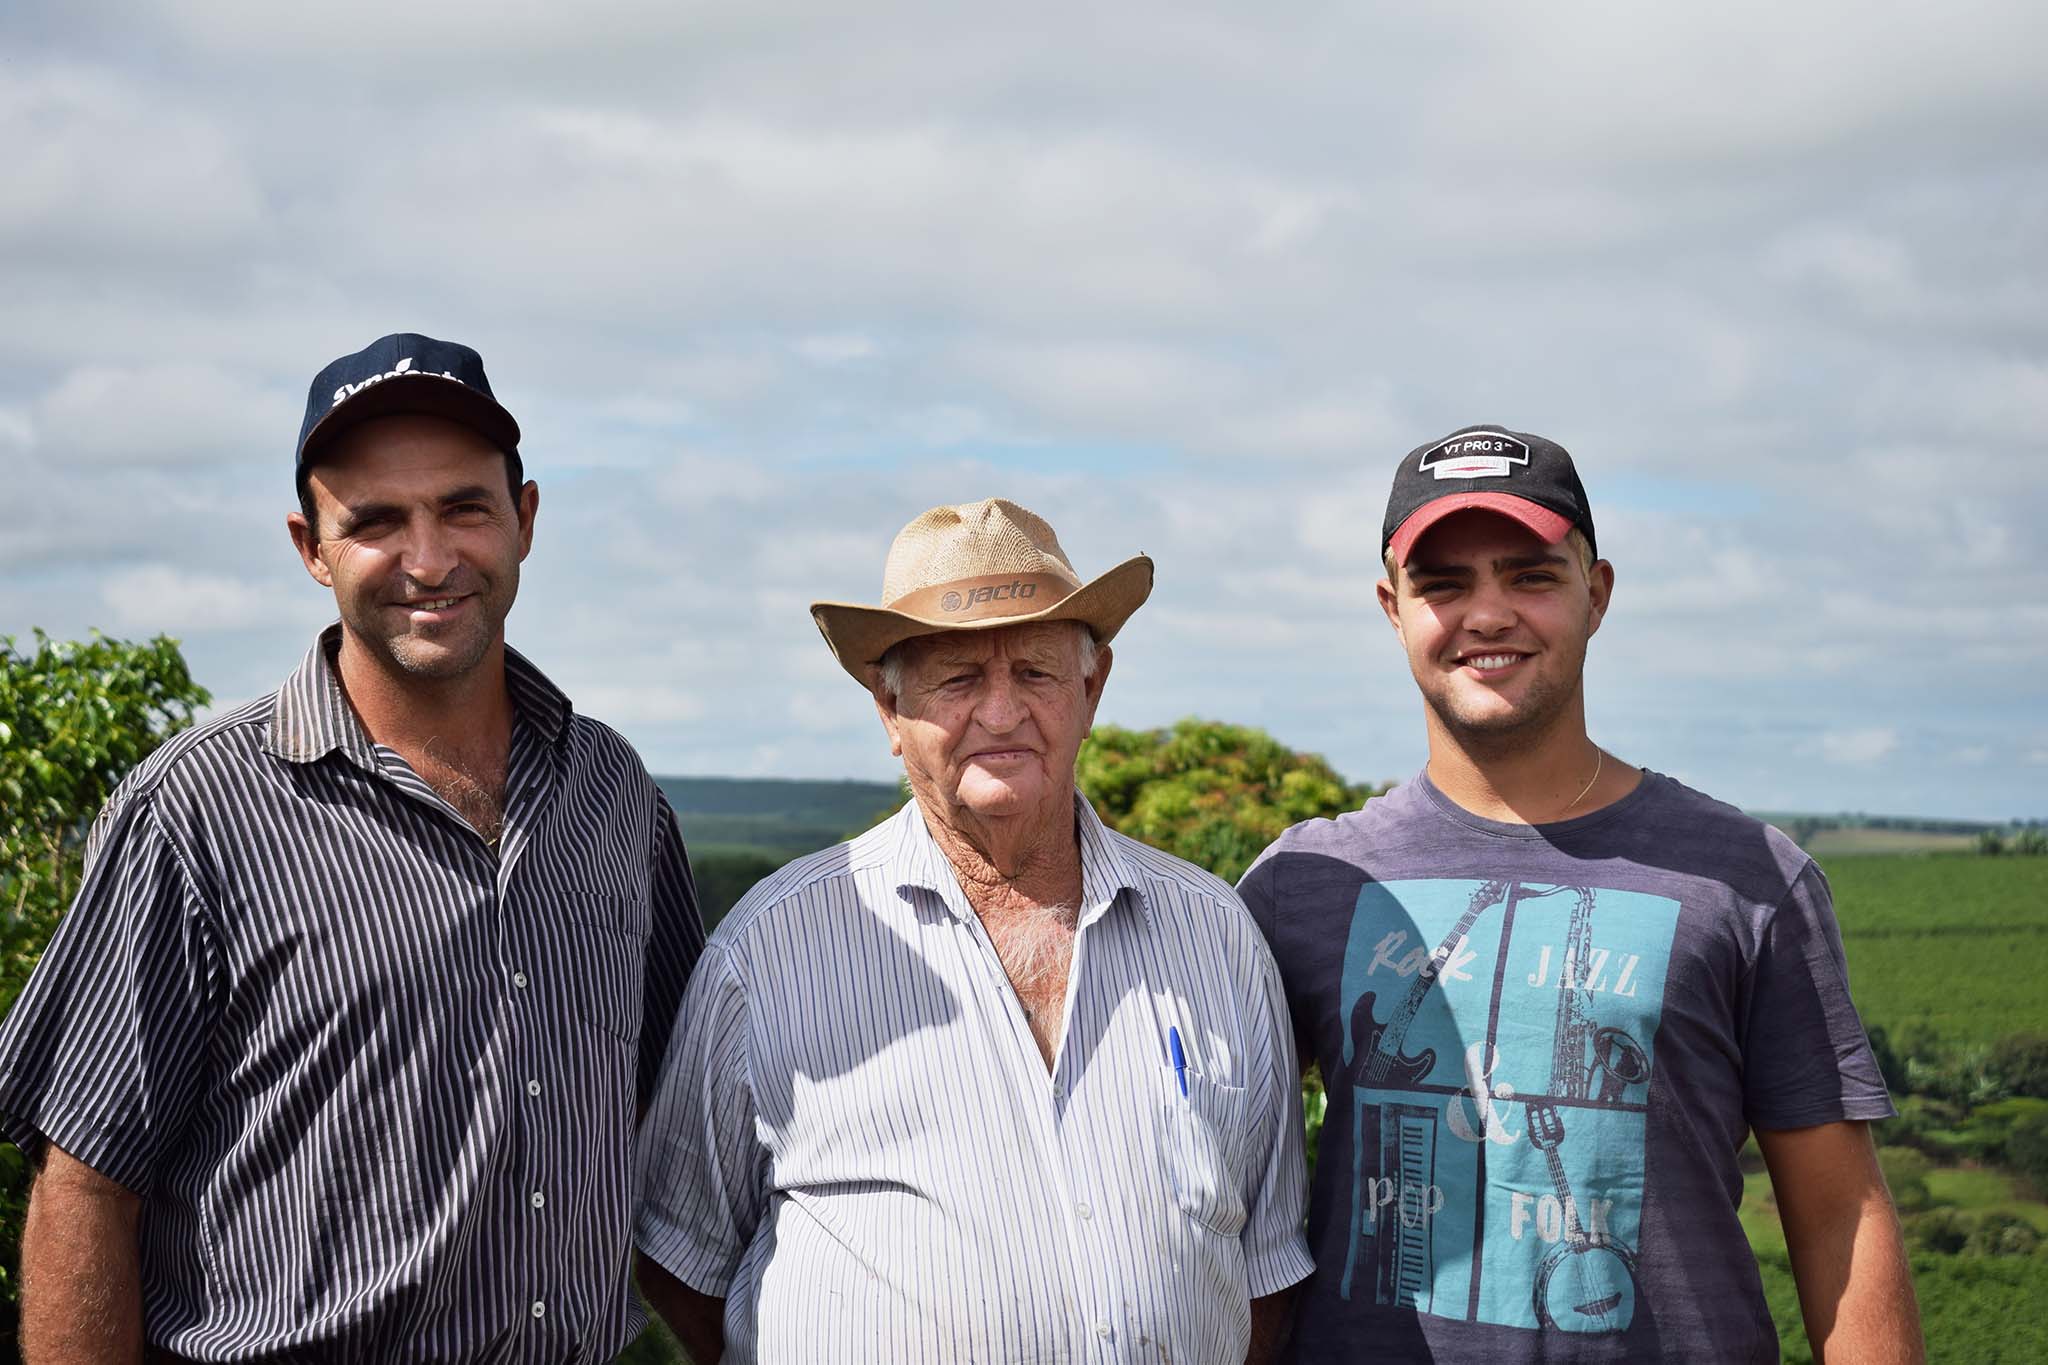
{"type": "Point", "coordinates": [1272, 1315]}
{"type": "Point", "coordinates": [81, 1270]}
{"type": "Point", "coordinates": [1855, 1289]}
{"type": "Point", "coordinates": [698, 1320]}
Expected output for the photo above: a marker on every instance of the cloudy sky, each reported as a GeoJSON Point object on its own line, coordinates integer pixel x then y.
{"type": "Point", "coordinates": [764, 280]}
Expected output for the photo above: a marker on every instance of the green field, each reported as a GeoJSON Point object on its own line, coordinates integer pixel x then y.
{"type": "Point", "coordinates": [1832, 843]}
{"type": "Point", "coordinates": [1957, 943]}
{"type": "Point", "coordinates": [773, 815]}
{"type": "Point", "coordinates": [1953, 947]}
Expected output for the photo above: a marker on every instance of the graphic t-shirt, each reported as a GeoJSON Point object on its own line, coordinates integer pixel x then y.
{"type": "Point", "coordinates": [1544, 1046]}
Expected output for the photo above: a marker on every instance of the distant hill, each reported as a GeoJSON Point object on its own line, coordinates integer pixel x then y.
{"type": "Point", "coordinates": [776, 815]}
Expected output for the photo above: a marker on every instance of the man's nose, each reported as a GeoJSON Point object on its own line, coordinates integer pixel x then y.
{"type": "Point", "coordinates": [1002, 706]}
{"type": "Point", "coordinates": [429, 552]}
{"type": "Point", "coordinates": [1489, 610]}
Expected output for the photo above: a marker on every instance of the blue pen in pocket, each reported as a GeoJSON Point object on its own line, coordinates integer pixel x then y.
{"type": "Point", "coordinates": [1180, 1060]}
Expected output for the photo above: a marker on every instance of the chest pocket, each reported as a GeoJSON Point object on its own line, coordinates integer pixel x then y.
{"type": "Point", "coordinates": [608, 936]}
{"type": "Point", "coordinates": [1201, 1140]}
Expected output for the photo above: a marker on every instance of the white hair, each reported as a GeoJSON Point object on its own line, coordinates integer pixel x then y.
{"type": "Point", "coordinates": [896, 659]}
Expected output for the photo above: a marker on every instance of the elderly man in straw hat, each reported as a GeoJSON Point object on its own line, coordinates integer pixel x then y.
{"type": "Point", "coordinates": [989, 1082]}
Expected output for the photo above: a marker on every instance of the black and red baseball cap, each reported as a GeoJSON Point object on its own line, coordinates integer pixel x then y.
{"type": "Point", "coordinates": [404, 372]}
{"type": "Point", "coordinates": [1513, 473]}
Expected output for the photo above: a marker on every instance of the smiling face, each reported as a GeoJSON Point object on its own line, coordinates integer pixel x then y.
{"type": "Point", "coordinates": [1495, 623]}
{"type": "Point", "coordinates": [420, 539]}
{"type": "Point", "coordinates": [988, 722]}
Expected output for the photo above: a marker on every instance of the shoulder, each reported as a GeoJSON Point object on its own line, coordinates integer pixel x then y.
{"type": "Point", "coordinates": [1687, 830]}
{"type": "Point", "coordinates": [1184, 898]}
{"type": "Point", "coordinates": [1346, 844]}
{"type": "Point", "coordinates": [598, 742]}
{"type": "Point", "coordinates": [195, 757]}
{"type": "Point", "coordinates": [1163, 872]}
{"type": "Point", "coordinates": [801, 887]}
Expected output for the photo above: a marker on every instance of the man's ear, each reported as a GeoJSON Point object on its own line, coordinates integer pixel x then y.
{"type": "Point", "coordinates": [1390, 603]}
{"type": "Point", "coordinates": [1092, 685]}
{"type": "Point", "coordinates": [1600, 586]}
{"type": "Point", "coordinates": [308, 546]}
{"type": "Point", "coordinates": [529, 503]}
{"type": "Point", "coordinates": [885, 707]}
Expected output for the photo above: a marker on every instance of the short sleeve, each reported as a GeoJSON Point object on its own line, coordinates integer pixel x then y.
{"type": "Point", "coordinates": [1257, 891]}
{"type": "Point", "coordinates": [1275, 1249]}
{"type": "Point", "coordinates": [1806, 1059]}
{"type": "Point", "coordinates": [104, 1054]}
{"type": "Point", "coordinates": [702, 1167]}
{"type": "Point", "coordinates": [674, 944]}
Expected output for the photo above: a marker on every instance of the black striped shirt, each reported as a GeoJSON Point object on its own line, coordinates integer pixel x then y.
{"type": "Point", "coordinates": [375, 1081]}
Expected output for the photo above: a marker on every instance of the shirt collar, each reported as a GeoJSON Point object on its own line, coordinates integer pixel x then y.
{"type": "Point", "coordinates": [311, 717]}
{"type": "Point", "coordinates": [1105, 872]}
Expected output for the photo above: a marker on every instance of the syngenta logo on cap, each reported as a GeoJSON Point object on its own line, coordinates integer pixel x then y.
{"type": "Point", "coordinates": [1476, 455]}
{"type": "Point", "coordinates": [399, 371]}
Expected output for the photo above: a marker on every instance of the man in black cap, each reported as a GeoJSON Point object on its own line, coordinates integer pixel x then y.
{"type": "Point", "coordinates": [339, 1053]}
{"type": "Point", "coordinates": [1552, 993]}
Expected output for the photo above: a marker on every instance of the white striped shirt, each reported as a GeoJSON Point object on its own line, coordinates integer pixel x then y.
{"type": "Point", "coordinates": [857, 1144]}
{"type": "Point", "coordinates": [374, 1082]}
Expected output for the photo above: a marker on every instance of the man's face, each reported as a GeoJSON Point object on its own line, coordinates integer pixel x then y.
{"type": "Point", "coordinates": [991, 720]}
{"type": "Point", "coordinates": [1495, 624]}
{"type": "Point", "coordinates": [420, 539]}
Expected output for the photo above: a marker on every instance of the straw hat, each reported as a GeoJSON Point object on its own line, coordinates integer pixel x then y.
{"type": "Point", "coordinates": [978, 566]}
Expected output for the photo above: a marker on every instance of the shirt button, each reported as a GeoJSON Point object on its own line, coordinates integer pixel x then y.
{"type": "Point", "coordinates": [540, 1309]}
{"type": "Point", "coordinates": [533, 1087]}
{"type": "Point", "coordinates": [539, 1199]}
{"type": "Point", "coordinates": [1101, 1328]}
{"type": "Point", "coordinates": [1083, 1209]}
{"type": "Point", "coordinates": [519, 980]}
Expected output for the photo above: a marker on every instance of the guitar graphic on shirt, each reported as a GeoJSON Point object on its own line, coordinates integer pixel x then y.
{"type": "Point", "coordinates": [1403, 1156]}
{"type": "Point", "coordinates": [1378, 1059]}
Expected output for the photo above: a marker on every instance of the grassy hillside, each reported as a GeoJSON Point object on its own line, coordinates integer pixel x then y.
{"type": "Point", "coordinates": [773, 815]}
{"type": "Point", "coordinates": [1958, 944]}
{"type": "Point", "coordinates": [1948, 950]}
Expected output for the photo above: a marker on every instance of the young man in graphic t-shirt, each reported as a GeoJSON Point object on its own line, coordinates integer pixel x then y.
{"type": "Point", "coordinates": [1551, 993]}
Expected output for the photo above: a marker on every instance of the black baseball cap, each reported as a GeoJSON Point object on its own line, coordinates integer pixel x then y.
{"type": "Point", "coordinates": [403, 372]}
{"type": "Point", "coordinates": [1518, 475]}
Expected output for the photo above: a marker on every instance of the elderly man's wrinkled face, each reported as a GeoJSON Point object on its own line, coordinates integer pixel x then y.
{"type": "Point", "coordinates": [988, 722]}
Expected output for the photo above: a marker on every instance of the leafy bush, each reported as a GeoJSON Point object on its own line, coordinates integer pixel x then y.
{"type": "Point", "coordinates": [1905, 1171]}
{"type": "Point", "coordinates": [1211, 793]}
{"type": "Point", "coordinates": [2020, 1062]}
{"type": "Point", "coordinates": [2026, 1150]}
{"type": "Point", "coordinates": [1999, 1233]}
{"type": "Point", "coordinates": [74, 718]}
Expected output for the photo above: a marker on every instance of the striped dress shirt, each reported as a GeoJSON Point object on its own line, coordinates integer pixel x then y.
{"type": "Point", "coordinates": [857, 1144]}
{"type": "Point", "coordinates": [374, 1080]}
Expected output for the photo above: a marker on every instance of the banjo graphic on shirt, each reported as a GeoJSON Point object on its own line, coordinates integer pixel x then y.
{"type": "Point", "coordinates": [1500, 1083]}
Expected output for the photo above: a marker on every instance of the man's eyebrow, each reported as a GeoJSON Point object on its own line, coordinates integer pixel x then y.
{"type": "Point", "coordinates": [1465, 570]}
{"type": "Point", "coordinates": [1527, 561]}
{"type": "Point", "coordinates": [473, 492]}
{"type": "Point", "coordinates": [364, 512]}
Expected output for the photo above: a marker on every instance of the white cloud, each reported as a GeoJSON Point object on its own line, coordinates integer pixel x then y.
{"type": "Point", "coordinates": [836, 348]}
{"type": "Point", "coordinates": [174, 412]}
{"type": "Point", "coordinates": [93, 164]}
{"type": "Point", "coordinates": [1861, 746]}
{"type": "Point", "coordinates": [163, 597]}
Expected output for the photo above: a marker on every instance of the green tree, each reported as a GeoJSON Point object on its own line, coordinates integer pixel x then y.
{"type": "Point", "coordinates": [2020, 1060]}
{"type": "Point", "coordinates": [74, 718]}
{"type": "Point", "coordinates": [1212, 793]}
{"type": "Point", "coordinates": [2026, 1150]}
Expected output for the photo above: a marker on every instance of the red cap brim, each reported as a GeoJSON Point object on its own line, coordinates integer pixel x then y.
{"type": "Point", "coordinates": [1548, 526]}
